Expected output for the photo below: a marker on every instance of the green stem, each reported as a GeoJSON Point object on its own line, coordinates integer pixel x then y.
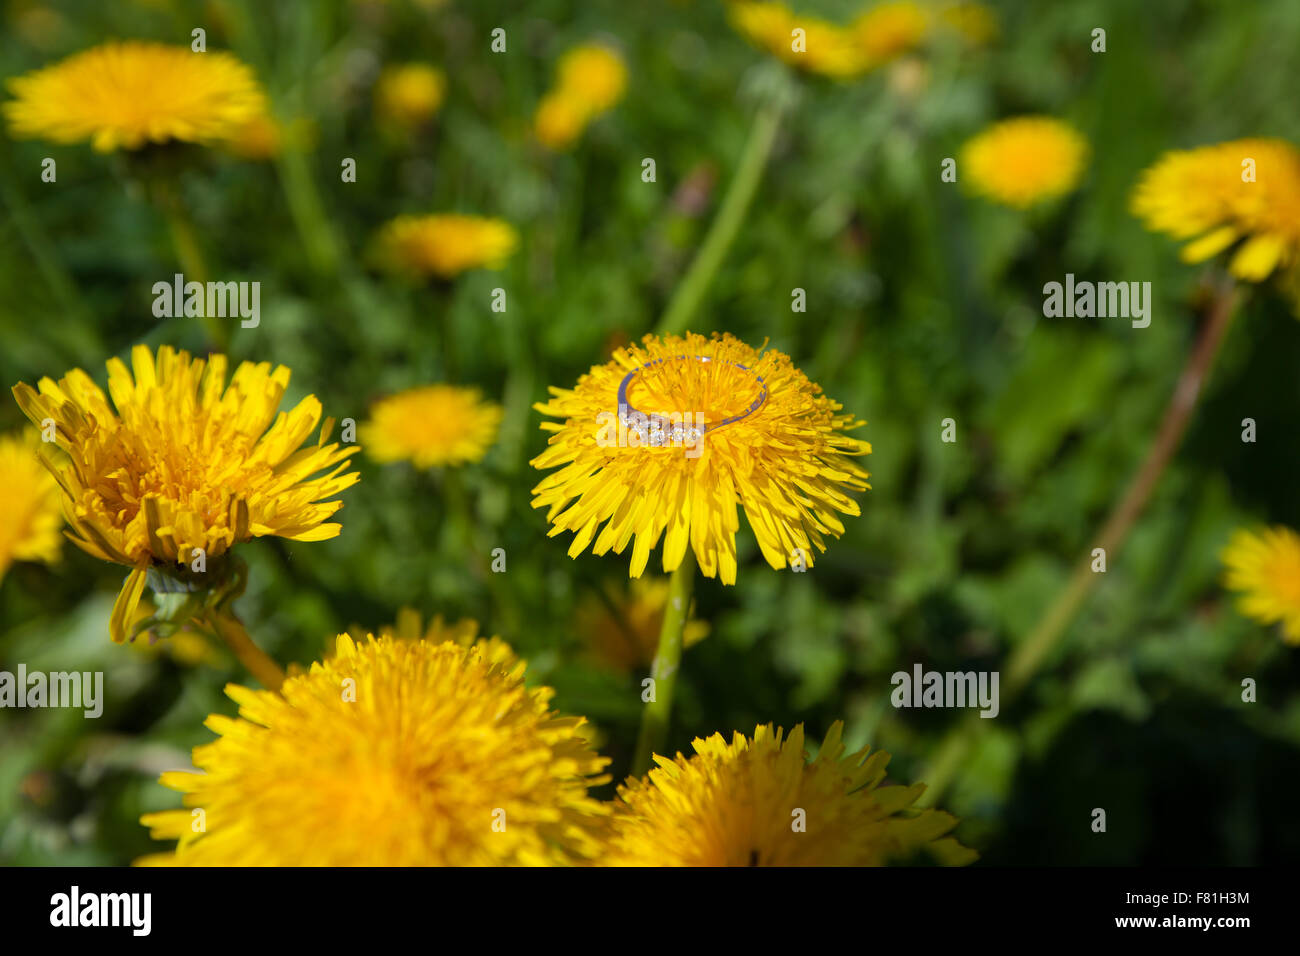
{"type": "Point", "coordinates": [444, 326]}
{"type": "Point", "coordinates": [690, 291]}
{"type": "Point", "coordinates": [459, 515]}
{"type": "Point", "coordinates": [308, 212]}
{"type": "Point", "coordinates": [316, 230]}
{"type": "Point", "coordinates": [1030, 654]}
{"type": "Point", "coordinates": [192, 262]}
{"type": "Point", "coordinates": [668, 659]}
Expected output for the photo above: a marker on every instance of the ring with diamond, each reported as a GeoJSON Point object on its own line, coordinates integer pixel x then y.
{"type": "Point", "coordinates": [663, 431]}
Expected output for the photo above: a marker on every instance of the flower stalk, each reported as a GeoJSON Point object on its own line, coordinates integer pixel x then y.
{"type": "Point", "coordinates": [192, 263]}
{"type": "Point", "coordinates": [657, 714]}
{"type": "Point", "coordinates": [722, 232]}
{"type": "Point", "coordinates": [1030, 654]}
{"type": "Point", "coordinates": [255, 660]}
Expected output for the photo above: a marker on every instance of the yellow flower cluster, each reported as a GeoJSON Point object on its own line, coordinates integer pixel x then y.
{"type": "Point", "coordinates": [877, 36]}
{"type": "Point", "coordinates": [463, 764]}
{"type": "Point", "coordinates": [668, 443]}
{"type": "Point", "coordinates": [590, 80]}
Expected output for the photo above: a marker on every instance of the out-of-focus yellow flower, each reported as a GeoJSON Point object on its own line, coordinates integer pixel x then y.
{"type": "Point", "coordinates": [721, 426]}
{"type": "Point", "coordinates": [410, 94]}
{"type": "Point", "coordinates": [623, 633]}
{"type": "Point", "coordinates": [888, 30]}
{"type": "Point", "coordinates": [809, 43]}
{"type": "Point", "coordinates": [973, 22]}
{"type": "Point", "coordinates": [390, 753]}
{"type": "Point", "coordinates": [126, 95]}
{"type": "Point", "coordinates": [594, 75]}
{"type": "Point", "coordinates": [431, 426]}
{"type": "Point", "coordinates": [37, 24]}
{"type": "Point", "coordinates": [559, 121]}
{"type": "Point", "coordinates": [759, 802]}
{"type": "Point", "coordinates": [878, 35]}
{"type": "Point", "coordinates": [444, 246]}
{"type": "Point", "coordinates": [590, 80]}
{"type": "Point", "coordinates": [184, 463]}
{"type": "Point", "coordinates": [1246, 191]}
{"type": "Point", "coordinates": [1265, 567]}
{"type": "Point", "coordinates": [31, 524]}
{"type": "Point", "coordinates": [1024, 161]}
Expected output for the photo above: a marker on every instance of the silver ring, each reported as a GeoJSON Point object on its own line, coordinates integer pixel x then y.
{"type": "Point", "coordinates": [663, 431]}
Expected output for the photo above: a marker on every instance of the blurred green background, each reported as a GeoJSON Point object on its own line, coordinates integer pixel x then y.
{"type": "Point", "coordinates": [923, 304]}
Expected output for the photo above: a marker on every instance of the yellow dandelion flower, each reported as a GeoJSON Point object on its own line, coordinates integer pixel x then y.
{"type": "Point", "coordinates": [559, 121]}
{"type": "Point", "coordinates": [589, 81]}
{"type": "Point", "coordinates": [622, 631]}
{"type": "Point", "coordinates": [667, 438]}
{"type": "Point", "coordinates": [409, 94]}
{"type": "Point", "coordinates": [125, 95]}
{"type": "Point", "coordinates": [444, 245]}
{"type": "Point", "coordinates": [809, 43]}
{"type": "Point", "coordinates": [759, 802]}
{"type": "Point", "coordinates": [431, 426]}
{"type": "Point", "coordinates": [410, 626]}
{"type": "Point", "coordinates": [888, 30]}
{"type": "Point", "coordinates": [1265, 568]}
{"type": "Point", "coordinates": [1024, 161]}
{"type": "Point", "coordinates": [185, 462]}
{"type": "Point", "coordinates": [593, 75]}
{"type": "Point", "coordinates": [1246, 191]}
{"type": "Point", "coordinates": [390, 753]}
{"type": "Point", "coordinates": [31, 523]}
